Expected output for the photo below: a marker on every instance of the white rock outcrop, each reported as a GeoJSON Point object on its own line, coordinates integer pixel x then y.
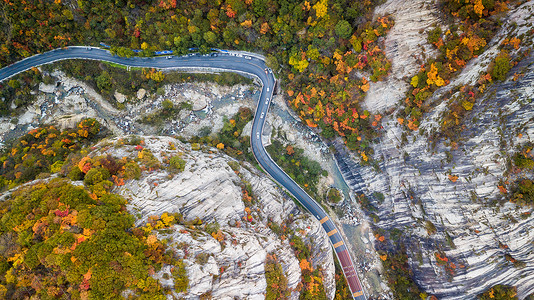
{"type": "Point", "coordinates": [211, 190]}
{"type": "Point", "coordinates": [474, 233]}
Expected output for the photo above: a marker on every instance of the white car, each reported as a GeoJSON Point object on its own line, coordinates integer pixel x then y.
{"type": "Point", "coordinates": [267, 101]}
{"type": "Point", "coordinates": [262, 114]}
{"type": "Point", "coordinates": [267, 89]}
{"type": "Point", "coordinates": [248, 57]}
{"type": "Point", "coordinates": [169, 57]}
{"type": "Point", "coordinates": [258, 135]}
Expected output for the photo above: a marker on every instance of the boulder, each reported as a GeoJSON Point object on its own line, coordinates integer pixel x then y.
{"type": "Point", "coordinates": [46, 88]}
{"type": "Point", "coordinates": [141, 94]}
{"type": "Point", "coordinates": [120, 97]}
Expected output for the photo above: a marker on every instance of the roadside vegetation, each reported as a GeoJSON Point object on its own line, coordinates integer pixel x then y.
{"type": "Point", "coordinates": [325, 51]}
{"type": "Point", "coordinates": [304, 171]}
{"type": "Point", "coordinates": [17, 93]}
{"type": "Point", "coordinates": [229, 139]}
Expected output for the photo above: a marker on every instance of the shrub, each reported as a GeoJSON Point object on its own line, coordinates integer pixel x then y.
{"type": "Point", "coordinates": [434, 35]}
{"type": "Point", "coordinates": [56, 167]}
{"type": "Point", "coordinates": [430, 228]}
{"type": "Point", "coordinates": [179, 273]}
{"type": "Point", "coordinates": [96, 175]}
{"type": "Point", "coordinates": [75, 173]}
{"type": "Point", "coordinates": [523, 192]}
{"type": "Point", "coordinates": [146, 157]}
{"type": "Point", "coordinates": [177, 164]}
{"type": "Point", "coordinates": [501, 66]}
{"type": "Point", "coordinates": [167, 104]}
{"type": "Point", "coordinates": [202, 258]}
{"type": "Point", "coordinates": [132, 170]}
{"type": "Point", "coordinates": [212, 227]}
{"type": "Point", "coordinates": [334, 195]}
{"type": "Point", "coordinates": [523, 162]}
{"type": "Point", "coordinates": [343, 29]}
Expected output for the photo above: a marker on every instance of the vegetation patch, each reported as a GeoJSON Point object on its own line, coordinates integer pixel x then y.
{"type": "Point", "coordinates": [109, 78]}
{"type": "Point", "coordinates": [229, 139]}
{"type": "Point", "coordinates": [499, 292]}
{"type": "Point", "coordinates": [304, 171]}
{"type": "Point", "coordinates": [276, 279]}
{"type": "Point", "coordinates": [326, 93]}
{"type": "Point", "coordinates": [58, 241]}
{"type": "Point", "coordinates": [168, 111]}
{"type": "Point", "coordinates": [19, 91]}
{"type": "Point", "coordinates": [399, 274]}
{"type": "Point", "coordinates": [518, 185]}
{"type": "Point", "coordinates": [334, 195]}
{"type": "Point", "coordinates": [456, 45]}
{"type": "Point", "coordinates": [43, 150]}
{"type": "Point", "coordinates": [320, 46]}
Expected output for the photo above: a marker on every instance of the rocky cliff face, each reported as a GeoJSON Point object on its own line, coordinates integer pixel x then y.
{"type": "Point", "coordinates": [474, 232]}
{"type": "Point", "coordinates": [210, 189]}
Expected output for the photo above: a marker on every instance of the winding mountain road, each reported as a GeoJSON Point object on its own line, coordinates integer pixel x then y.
{"type": "Point", "coordinates": [225, 62]}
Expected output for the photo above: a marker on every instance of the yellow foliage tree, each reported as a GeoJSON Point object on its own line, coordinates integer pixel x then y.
{"type": "Point", "coordinates": [478, 8]}
{"type": "Point", "coordinates": [167, 219]}
{"type": "Point", "coordinates": [265, 28]}
{"type": "Point", "coordinates": [415, 81]}
{"type": "Point", "coordinates": [433, 77]}
{"type": "Point", "coordinates": [247, 23]}
{"type": "Point", "coordinates": [321, 8]}
{"type": "Point", "coordinates": [467, 105]}
{"type": "Point", "coordinates": [220, 146]}
{"type": "Point", "coordinates": [319, 110]}
{"type": "Point", "coordinates": [365, 87]}
{"type": "Point", "coordinates": [299, 64]}
{"type": "Point", "coordinates": [219, 235]}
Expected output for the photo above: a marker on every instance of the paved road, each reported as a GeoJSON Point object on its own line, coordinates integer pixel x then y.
{"type": "Point", "coordinates": [232, 62]}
